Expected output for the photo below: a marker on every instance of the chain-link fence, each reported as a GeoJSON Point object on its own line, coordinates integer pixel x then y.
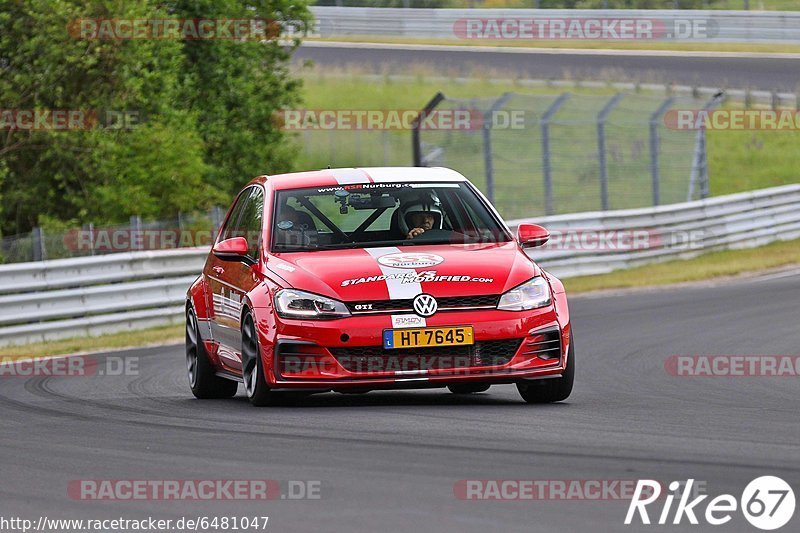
{"type": "Point", "coordinates": [543, 155]}
{"type": "Point", "coordinates": [533, 154]}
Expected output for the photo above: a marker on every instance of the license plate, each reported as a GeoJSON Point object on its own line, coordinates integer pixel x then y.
{"type": "Point", "coordinates": [416, 337]}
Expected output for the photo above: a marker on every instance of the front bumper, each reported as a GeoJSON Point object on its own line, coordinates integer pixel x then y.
{"type": "Point", "coordinates": [347, 353]}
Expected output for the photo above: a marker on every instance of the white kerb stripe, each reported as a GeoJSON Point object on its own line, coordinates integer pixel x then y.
{"type": "Point", "coordinates": [397, 289]}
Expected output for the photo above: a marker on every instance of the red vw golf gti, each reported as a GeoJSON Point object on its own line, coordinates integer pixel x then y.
{"type": "Point", "coordinates": [352, 280]}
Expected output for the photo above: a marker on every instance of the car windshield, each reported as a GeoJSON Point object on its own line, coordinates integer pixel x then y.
{"type": "Point", "coordinates": [369, 215]}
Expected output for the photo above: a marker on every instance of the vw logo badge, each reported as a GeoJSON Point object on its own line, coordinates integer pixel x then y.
{"type": "Point", "coordinates": [425, 305]}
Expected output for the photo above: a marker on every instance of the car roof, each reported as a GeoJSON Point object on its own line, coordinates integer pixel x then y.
{"type": "Point", "coordinates": [332, 177]}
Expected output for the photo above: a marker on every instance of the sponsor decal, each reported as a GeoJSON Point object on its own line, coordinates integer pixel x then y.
{"type": "Point", "coordinates": [429, 276]}
{"type": "Point", "coordinates": [408, 321]}
{"type": "Point", "coordinates": [361, 186]}
{"type": "Point", "coordinates": [410, 260]}
{"type": "Point", "coordinates": [284, 266]}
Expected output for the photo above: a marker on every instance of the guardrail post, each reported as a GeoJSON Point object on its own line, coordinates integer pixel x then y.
{"type": "Point", "coordinates": [486, 130]}
{"type": "Point", "coordinates": [545, 127]}
{"type": "Point", "coordinates": [601, 148]}
{"type": "Point", "coordinates": [416, 143]}
{"type": "Point", "coordinates": [216, 221]}
{"type": "Point", "coordinates": [37, 240]}
{"type": "Point", "coordinates": [655, 147]}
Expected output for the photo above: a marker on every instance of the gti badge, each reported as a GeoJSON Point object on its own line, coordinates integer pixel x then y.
{"type": "Point", "coordinates": [425, 305]}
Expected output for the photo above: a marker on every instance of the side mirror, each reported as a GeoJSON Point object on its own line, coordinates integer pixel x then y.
{"type": "Point", "coordinates": [531, 235]}
{"type": "Point", "coordinates": [234, 249]}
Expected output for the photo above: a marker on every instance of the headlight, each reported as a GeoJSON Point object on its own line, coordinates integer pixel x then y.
{"type": "Point", "coordinates": [530, 295]}
{"type": "Point", "coordinates": [291, 303]}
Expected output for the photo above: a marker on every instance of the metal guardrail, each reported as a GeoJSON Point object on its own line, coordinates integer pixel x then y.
{"type": "Point", "coordinates": [93, 295]}
{"type": "Point", "coordinates": [722, 26]}
{"type": "Point", "coordinates": [85, 296]}
{"type": "Point", "coordinates": [677, 231]}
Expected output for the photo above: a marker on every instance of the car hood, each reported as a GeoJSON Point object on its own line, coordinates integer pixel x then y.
{"type": "Point", "coordinates": [405, 271]}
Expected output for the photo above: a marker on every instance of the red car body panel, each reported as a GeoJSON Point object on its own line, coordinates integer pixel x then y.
{"type": "Point", "coordinates": [227, 289]}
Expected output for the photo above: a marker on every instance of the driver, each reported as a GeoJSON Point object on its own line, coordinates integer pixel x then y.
{"type": "Point", "coordinates": [419, 223]}
{"type": "Point", "coordinates": [420, 215]}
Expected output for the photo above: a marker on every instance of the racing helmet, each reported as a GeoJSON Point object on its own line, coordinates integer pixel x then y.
{"type": "Point", "coordinates": [427, 203]}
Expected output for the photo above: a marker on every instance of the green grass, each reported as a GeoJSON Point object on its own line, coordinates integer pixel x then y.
{"type": "Point", "coordinates": [742, 161]}
{"type": "Point", "coordinates": [129, 339]}
{"type": "Point", "coordinates": [706, 267]}
{"type": "Point", "coordinates": [677, 46]}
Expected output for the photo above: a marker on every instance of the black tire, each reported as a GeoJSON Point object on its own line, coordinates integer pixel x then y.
{"type": "Point", "coordinates": [468, 388]}
{"type": "Point", "coordinates": [255, 381]}
{"type": "Point", "coordinates": [204, 382]}
{"type": "Point", "coordinates": [551, 390]}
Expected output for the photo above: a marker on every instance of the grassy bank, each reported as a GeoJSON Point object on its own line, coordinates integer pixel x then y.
{"type": "Point", "coordinates": [706, 267]}
{"type": "Point", "coordinates": [642, 45]}
{"type": "Point", "coordinates": [128, 339]}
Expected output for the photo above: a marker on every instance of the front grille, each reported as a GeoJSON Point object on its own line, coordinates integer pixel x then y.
{"type": "Point", "coordinates": [406, 305]}
{"type": "Point", "coordinates": [378, 359]}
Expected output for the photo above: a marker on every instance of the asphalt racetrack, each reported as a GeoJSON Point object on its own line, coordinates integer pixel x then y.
{"type": "Point", "coordinates": [389, 461]}
{"type": "Point", "coordinates": [780, 72]}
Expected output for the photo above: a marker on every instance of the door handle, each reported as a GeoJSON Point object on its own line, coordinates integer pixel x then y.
{"type": "Point", "coordinates": [218, 270]}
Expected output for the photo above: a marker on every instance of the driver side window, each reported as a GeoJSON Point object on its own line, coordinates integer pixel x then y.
{"type": "Point", "coordinates": [250, 224]}
{"type": "Point", "coordinates": [229, 229]}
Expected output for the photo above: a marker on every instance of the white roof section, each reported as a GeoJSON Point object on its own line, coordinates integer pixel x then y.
{"type": "Point", "coordinates": [406, 174]}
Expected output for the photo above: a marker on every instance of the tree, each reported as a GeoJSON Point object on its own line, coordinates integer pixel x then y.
{"type": "Point", "coordinates": [203, 111]}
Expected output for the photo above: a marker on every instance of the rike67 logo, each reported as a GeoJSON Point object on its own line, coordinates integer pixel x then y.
{"type": "Point", "coordinates": [767, 502]}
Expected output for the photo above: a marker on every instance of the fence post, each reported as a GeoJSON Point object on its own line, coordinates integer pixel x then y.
{"type": "Point", "coordinates": [136, 225]}
{"type": "Point", "coordinates": [545, 127]}
{"type": "Point", "coordinates": [601, 148]}
{"type": "Point", "coordinates": [37, 240]}
{"type": "Point", "coordinates": [699, 172]}
{"type": "Point", "coordinates": [216, 222]}
{"type": "Point", "coordinates": [416, 145]}
{"type": "Point", "coordinates": [91, 237]}
{"type": "Point", "coordinates": [486, 131]}
{"type": "Point", "coordinates": [655, 146]}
